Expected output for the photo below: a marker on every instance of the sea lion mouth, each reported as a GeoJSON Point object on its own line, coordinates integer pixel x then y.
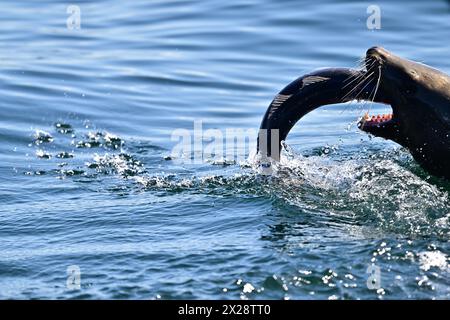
{"type": "Point", "coordinates": [378, 120]}
{"type": "Point", "coordinates": [384, 125]}
{"type": "Point", "coordinates": [375, 61]}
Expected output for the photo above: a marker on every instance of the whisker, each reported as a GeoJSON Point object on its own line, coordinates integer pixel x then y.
{"type": "Point", "coordinates": [356, 86]}
{"type": "Point", "coordinates": [355, 80]}
{"type": "Point", "coordinates": [357, 95]}
{"type": "Point", "coordinates": [367, 77]}
{"type": "Point", "coordinates": [376, 88]}
{"type": "Point", "coordinates": [358, 77]}
{"type": "Point", "coordinates": [360, 65]}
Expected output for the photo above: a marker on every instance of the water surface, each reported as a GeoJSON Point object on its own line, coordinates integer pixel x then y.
{"type": "Point", "coordinates": [86, 118]}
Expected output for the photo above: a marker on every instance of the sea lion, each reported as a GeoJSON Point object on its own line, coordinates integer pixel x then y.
{"type": "Point", "coordinates": [418, 94]}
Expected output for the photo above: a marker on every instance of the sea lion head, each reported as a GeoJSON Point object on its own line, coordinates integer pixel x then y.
{"type": "Point", "coordinates": [420, 99]}
{"type": "Point", "coordinates": [418, 94]}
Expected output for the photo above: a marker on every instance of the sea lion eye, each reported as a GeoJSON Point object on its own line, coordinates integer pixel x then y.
{"type": "Point", "coordinates": [414, 74]}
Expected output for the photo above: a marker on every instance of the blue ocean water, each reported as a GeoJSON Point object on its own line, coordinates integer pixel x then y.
{"type": "Point", "coordinates": [87, 178]}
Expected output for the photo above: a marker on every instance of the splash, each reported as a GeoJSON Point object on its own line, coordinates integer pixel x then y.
{"type": "Point", "coordinates": [433, 259]}
{"type": "Point", "coordinates": [369, 186]}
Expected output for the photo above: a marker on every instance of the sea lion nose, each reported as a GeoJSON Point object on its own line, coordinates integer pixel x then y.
{"type": "Point", "coordinates": [377, 52]}
{"type": "Point", "coordinates": [376, 56]}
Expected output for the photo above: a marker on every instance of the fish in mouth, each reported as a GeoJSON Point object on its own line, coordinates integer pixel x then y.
{"type": "Point", "coordinates": [418, 94]}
